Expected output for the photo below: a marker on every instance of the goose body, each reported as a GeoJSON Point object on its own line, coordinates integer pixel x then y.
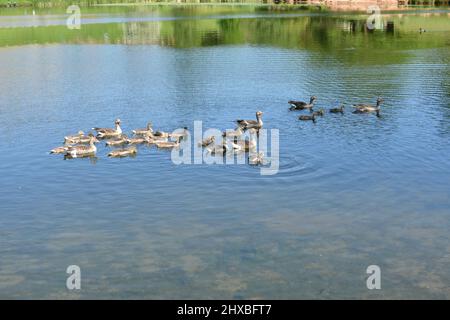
{"type": "Point", "coordinates": [85, 140]}
{"type": "Point", "coordinates": [123, 153]}
{"type": "Point", "coordinates": [82, 151]}
{"type": "Point", "coordinates": [251, 124]}
{"type": "Point", "coordinates": [301, 105]}
{"type": "Point", "coordinates": [105, 133]}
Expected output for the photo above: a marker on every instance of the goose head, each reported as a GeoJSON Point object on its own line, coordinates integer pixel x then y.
{"type": "Point", "coordinates": [379, 101]}
{"type": "Point", "coordinates": [259, 114]}
{"type": "Point", "coordinates": [312, 99]}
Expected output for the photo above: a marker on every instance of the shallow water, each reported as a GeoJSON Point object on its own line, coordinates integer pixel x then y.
{"type": "Point", "coordinates": [352, 190]}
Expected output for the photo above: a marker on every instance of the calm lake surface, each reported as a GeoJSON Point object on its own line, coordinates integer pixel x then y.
{"type": "Point", "coordinates": [352, 190]}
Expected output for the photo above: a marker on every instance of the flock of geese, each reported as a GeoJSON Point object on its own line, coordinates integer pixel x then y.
{"type": "Point", "coordinates": [81, 145]}
{"type": "Point", "coordinates": [359, 108]}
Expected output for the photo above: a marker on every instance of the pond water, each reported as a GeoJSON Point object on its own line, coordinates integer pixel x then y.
{"type": "Point", "coordinates": [351, 191]}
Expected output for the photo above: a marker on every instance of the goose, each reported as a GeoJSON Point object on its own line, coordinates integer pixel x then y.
{"type": "Point", "coordinates": [249, 124]}
{"type": "Point", "coordinates": [75, 137]}
{"type": "Point", "coordinates": [308, 118]}
{"type": "Point", "coordinates": [300, 105]}
{"type": "Point", "coordinates": [178, 135]}
{"type": "Point", "coordinates": [139, 140]}
{"type": "Point", "coordinates": [337, 110]}
{"type": "Point", "coordinates": [246, 145]}
{"type": "Point", "coordinates": [108, 132]}
{"type": "Point", "coordinates": [86, 140]}
{"type": "Point", "coordinates": [367, 108]}
{"type": "Point", "coordinates": [82, 151]}
{"type": "Point", "coordinates": [320, 113]}
{"type": "Point", "coordinates": [168, 144]}
{"type": "Point", "coordinates": [144, 131]}
{"type": "Point", "coordinates": [120, 153]}
{"type": "Point", "coordinates": [207, 141]}
{"type": "Point", "coordinates": [117, 142]}
{"type": "Point", "coordinates": [256, 158]}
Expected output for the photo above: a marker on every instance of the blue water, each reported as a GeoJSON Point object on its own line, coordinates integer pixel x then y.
{"type": "Point", "coordinates": [352, 190]}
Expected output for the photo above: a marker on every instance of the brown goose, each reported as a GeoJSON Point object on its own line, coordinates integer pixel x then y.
{"type": "Point", "coordinates": [168, 144]}
{"type": "Point", "coordinates": [144, 131]}
{"type": "Point", "coordinates": [367, 108]}
{"type": "Point", "coordinates": [251, 124]}
{"type": "Point", "coordinates": [320, 113]}
{"type": "Point", "coordinates": [120, 153]}
{"type": "Point", "coordinates": [104, 133]}
{"type": "Point", "coordinates": [308, 118]}
{"type": "Point", "coordinates": [301, 105]}
{"type": "Point", "coordinates": [117, 142]}
{"type": "Point", "coordinates": [82, 151]}
{"type": "Point", "coordinates": [139, 140]}
{"type": "Point", "coordinates": [337, 110]}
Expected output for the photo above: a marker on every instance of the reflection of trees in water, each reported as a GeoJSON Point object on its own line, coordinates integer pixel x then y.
{"type": "Point", "coordinates": [344, 37]}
